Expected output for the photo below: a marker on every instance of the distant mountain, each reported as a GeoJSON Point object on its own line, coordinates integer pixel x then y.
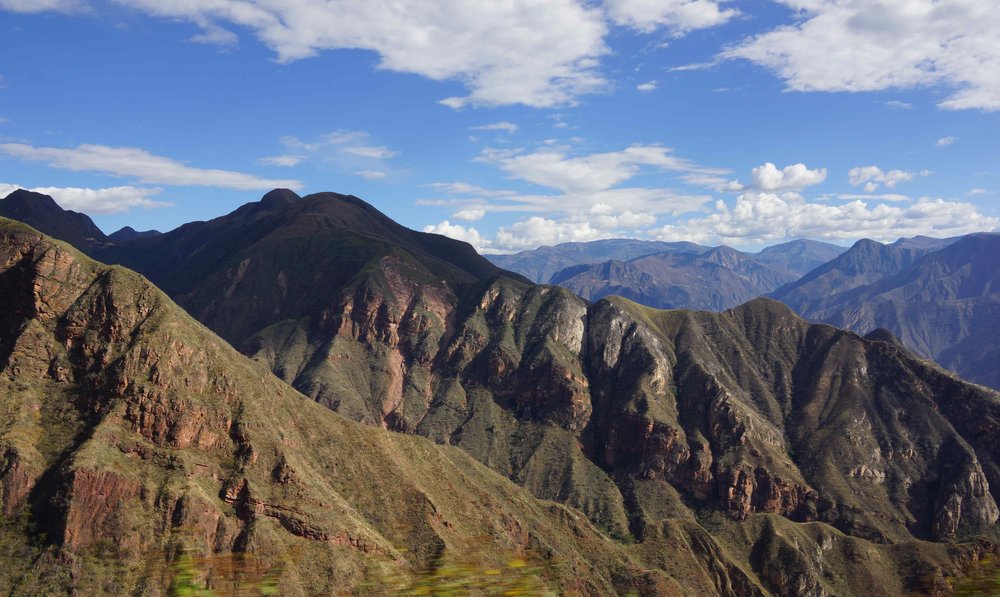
{"type": "Point", "coordinates": [798, 257]}
{"type": "Point", "coordinates": [695, 442]}
{"type": "Point", "coordinates": [865, 262]}
{"type": "Point", "coordinates": [941, 299]}
{"type": "Point", "coordinates": [717, 279]}
{"type": "Point", "coordinates": [44, 214]}
{"type": "Point", "coordinates": [128, 233]}
{"type": "Point", "coordinates": [539, 265]}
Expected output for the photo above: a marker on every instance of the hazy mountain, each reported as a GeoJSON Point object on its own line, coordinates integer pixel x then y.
{"type": "Point", "coordinates": [539, 265]}
{"type": "Point", "coordinates": [700, 439]}
{"type": "Point", "coordinates": [943, 303]}
{"type": "Point", "coordinates": [717, 279]}
{"type": "Point", "coordinates": [798, 257]}
{"type": "Point", "coordinates": [44, 214]}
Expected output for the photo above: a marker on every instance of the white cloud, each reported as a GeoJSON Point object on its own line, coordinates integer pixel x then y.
{"type": "Point", "coordinates": [766, 217]}
{"type": "Point", "coordinates": [679, 16]}
{"type": "Point", "coordinates": [646, 87]}
{"type": "Point", "coordinates": [464, 188]}
{"type": "Point", "coordinates": [535, 52]}
{"type": "Point", "coordinates": [375, 153]}
{"type": "Point", "coordinates": [139, 164]}
{"type": "Point", "coordinates": [371, 174]}
{"type": "Point", "coordinates": [870, 45]}
{"type": "Point", "coordinates": [97, 201]}
{"type": "Point", "coordinates": [508, 127]}
{"type": "Point", "coordinates": [589, 173]}
{"type": "Point", "coordinates": [873, 176]}
{"type": "Point", "coordinates": [29, 6]}
{"type": "Point", "coordinates": [471, 214]}
{"type": "Point", "coordinates": [282, 160]}
{"type": "Point", "coordinates": [898, 105]}
{"type": "Point", "coordinates": [215, 35]}
{"type": "Point", "coordinates": [536, 231]}
{"type": "Point", "coordinates": [578, 204]}
{"type": "Point", "coordinates": [768, 177]}
{"type": "Point", "coordinates": [977, 192]}
{"type": "Point", "coordinates": [945, 141]}
{"type": "Point", "coordinates": [469, 235]}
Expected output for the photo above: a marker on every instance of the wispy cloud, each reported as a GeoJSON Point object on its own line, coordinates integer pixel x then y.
{"type": "Point", "coordinates": [508, 127]}
{"type": "Point", "coordinates": [141, 165]}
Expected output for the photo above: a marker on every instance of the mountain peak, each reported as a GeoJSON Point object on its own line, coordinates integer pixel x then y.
{"type": "Point", "coordinates": [43, 213]}
{"type": "Point", "coordinates": [278, 198]}
{"type": "Point", "coordinates": [23, 198]}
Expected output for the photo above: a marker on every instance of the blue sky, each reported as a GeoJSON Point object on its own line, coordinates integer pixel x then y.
{"type": "Point", "coordinates": [519, 123]}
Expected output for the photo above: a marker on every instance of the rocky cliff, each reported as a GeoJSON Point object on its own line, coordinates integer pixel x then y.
{"type": "Point", "coordinates": [128, 431]}
{"type": "Point", "coordinates": [743, 451]}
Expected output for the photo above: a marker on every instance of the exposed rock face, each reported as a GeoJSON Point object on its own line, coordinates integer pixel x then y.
{"type": "Point", "coordinates": [636, 417]}
{"type": "Point", "coordinates": [940, 299]}
{"type": "Point", "coordinates": [125, 425]}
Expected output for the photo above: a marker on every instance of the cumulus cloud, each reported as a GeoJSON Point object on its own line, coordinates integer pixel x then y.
{"type": "Point", "coordinates": [945, 141]}
{"type": "Point", "coordinates": [898, 105]}
{"type": "Point", "coordinates": [535, 52]}
{"type": "Point", "coordinates": [471, 214]}
{"type": "Point", "coordinates": [458, 232]}
{"type": "Point", "coordinates": [678, 16]}
{"type": "Point", "coordinates": [790, 178]}
{"type": "Point", "coordinates": [646, 87]}
{"type": "Point", "coordinates": [508, 127]}
{"type": "Point", "coordinates": [537, 231]}
{"type": "Point", "coordinates": [97, 201]}
{"type": "Point", "coordinates": [29, 6]}
{"type": "Point", "coordinates": [767, 217]}
{"type": "Point", "coordinates": [977, 192]}
{"type": "Point", "coordinates": [871, 45]}
{"type": "Point", "coordinates": [141, 165]}
{"type": "Point", "coordinates": [873, 176]}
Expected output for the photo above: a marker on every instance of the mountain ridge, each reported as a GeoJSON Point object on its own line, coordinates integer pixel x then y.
{"type": "Point", "coordinates": [645, 421]}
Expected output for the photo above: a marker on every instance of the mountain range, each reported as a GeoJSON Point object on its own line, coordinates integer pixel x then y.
{"type": "Point", "coordinates": [941, 298]}
{"type": "Point", "coordinates": [670, 275]}
{"type": "Point", "coordinates": [747, 452]}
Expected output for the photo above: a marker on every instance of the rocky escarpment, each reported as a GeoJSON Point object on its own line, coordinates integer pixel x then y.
{"type": "Point", "coordinates": [651, 423]}
{"type": "Point", "coordinates": [128, 431]}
